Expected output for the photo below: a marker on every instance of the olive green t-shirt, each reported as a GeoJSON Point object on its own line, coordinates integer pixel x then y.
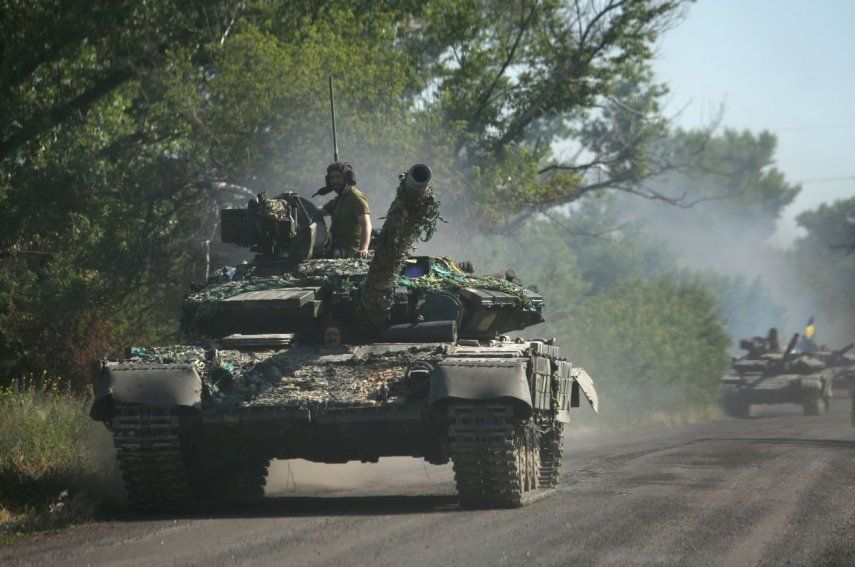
{"type": "Point", "coordinates": [345, 210]}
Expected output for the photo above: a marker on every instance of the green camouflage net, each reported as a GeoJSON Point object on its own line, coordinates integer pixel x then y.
{"type": "Point", "coordinates": [304, 377]}
{"type": "Point", "coordinates": [333, 275]}
{"type": "Point", "coordinates": [446, 275]}
{"type": "Point", "coordinates": [344, 276]}
{"type": "Point", "coordinates": [412, 216]}
{"type": "Point", "coordinates": [274, 209]}
{"type": "Point", "coordinates": [173, 354]}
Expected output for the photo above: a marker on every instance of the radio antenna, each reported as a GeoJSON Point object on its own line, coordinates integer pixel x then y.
{"type": "Point", "coordinates": [332, 111]}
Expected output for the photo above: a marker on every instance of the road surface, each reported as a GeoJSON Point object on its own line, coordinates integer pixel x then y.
{"type": "Point", "coordinates": [775, 489]}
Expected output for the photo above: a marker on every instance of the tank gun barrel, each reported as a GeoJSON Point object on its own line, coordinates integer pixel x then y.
{"type": "Point", "coordinates": [411, 216]}
{"type": "Point", "coordinates": [788, 354]}
{"type": "Point", "coordinates": [836, 355]}
{"type": "Point", "coordinates": [417, 178]}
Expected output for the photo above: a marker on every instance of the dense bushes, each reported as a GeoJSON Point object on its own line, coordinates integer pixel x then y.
{"type": "Point", "coordinates": [54, 465]}
{"type": "Point", "coordinates": [652, 346]}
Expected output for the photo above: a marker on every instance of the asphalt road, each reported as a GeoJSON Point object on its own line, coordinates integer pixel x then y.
{"type": "Point", "coordinates": [775, 489]}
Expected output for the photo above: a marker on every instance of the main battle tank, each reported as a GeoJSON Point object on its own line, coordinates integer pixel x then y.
{"type": "Point", "coordinates": [767, 376]}
{"type": "Point", "coordinates": [839, 364]}
{"type": "Point", "coordinates": [295, 355]}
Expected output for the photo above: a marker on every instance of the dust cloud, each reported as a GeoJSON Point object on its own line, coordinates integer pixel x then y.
{"type": "Point", "coordinates": [707, 240]}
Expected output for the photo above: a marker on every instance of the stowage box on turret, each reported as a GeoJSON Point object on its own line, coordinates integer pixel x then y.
{"type": "Point", "coordinates": [294, 355]}
{"type": "Point", "coordinates": [767, 376]}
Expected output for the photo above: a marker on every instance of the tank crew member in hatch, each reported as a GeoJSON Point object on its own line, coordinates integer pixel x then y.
{"type": "Point", "coordinates": [351, 217]}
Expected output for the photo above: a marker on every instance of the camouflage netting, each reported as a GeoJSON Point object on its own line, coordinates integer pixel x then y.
{"type": "Point", "coordinates": [412, 216]}
{"type": "Point", "coordinates": [446, 275]}
{"type": "Point", "coordinates": [302, 377]}
{"type": "Point", "coordinates": [273, 209]}
{"type": "Point", "coordinates": [346, 276]}
{"type": "Point", "coordinates": [334, 275]}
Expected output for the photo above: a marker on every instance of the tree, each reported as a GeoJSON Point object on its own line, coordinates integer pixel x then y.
{"type": "Point", "coordinates": [827, 268]}
{"type": "Point", "coordinates": [733, 174]}
{"type": "Point", "coordinates": [125, 125]}
{"type": "Point", "coordinates": [746, 306]}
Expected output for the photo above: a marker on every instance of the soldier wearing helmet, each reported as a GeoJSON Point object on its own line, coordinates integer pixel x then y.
{"type": "Point", "coordinates": [349, 212]}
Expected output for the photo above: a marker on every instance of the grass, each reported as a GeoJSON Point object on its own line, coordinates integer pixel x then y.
{"type": "Point", "coordinates": [55, 466]}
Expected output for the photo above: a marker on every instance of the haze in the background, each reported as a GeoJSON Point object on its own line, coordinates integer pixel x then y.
{"type": "Point", "coordinates": [787, 66]}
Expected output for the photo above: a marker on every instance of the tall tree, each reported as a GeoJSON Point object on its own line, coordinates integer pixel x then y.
{"type": "Point", "coordinates": [826, 266]}
{"type": "Point", "coordinates": [124, 125]}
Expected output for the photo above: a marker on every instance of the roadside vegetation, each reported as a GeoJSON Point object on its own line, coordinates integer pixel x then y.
{"type": "Point", "coordinates": [125, 126]}
{"type": "Point", "coordinates": [54, 467]}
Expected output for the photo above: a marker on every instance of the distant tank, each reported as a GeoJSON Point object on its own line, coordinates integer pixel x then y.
{"type": "Point", "coordinates": [839, 364]}
{"type": "Point", "coordinates": [765, 376]}
{"type": "Point", "coordinates": [295, 355]}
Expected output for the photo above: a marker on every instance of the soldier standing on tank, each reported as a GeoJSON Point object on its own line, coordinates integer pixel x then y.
{"type": "Point", "coordinates": [349, 211]}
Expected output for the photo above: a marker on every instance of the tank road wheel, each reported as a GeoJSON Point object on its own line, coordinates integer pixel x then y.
{"type": "Point", "coordinates": [551, 451]}
{"type": "Point", "coordinates": [496, 457]}
{"type": "Point", "coordinates": [150, 456]}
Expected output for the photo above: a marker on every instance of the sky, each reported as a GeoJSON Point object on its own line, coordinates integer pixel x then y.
{"type": "Point", "coordinates": [786, 66]}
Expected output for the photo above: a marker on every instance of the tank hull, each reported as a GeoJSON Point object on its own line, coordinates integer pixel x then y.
{"type": "Point", "coordinates": [812, 391]}
{"type": "Point", "coordinates": [442, 402]}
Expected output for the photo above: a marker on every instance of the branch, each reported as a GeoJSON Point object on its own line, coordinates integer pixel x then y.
{"type": "Point", "coordinates": [486, 97]}
{"type": "Point", "coordinates": [77, 106]}
{"type": "Point", "coordinates": [238, 7]}
{"type": "Point", "coordinates": [598, 234]}
{"type": "Point", "coordinates": [581, 167]}
{"type": "Point", "coordinates": [523, 26]}
{"type": "Point", "coordinates": [610, 7]}
{"type": "Point", "coordinates": [220, 187]}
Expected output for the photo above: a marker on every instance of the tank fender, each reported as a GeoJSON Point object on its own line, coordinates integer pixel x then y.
{"type": "Point", "coordinates": [156, 385]}
{"type": "Point", "coordinates": [480, 379]}
{"type": "Point", "coordinates": [587, 386]}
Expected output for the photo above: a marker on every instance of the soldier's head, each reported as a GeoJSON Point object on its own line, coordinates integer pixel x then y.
{"type": "Point", "coordinates": [340, 175]}
{"type": "Point", "coordinates": [332, 334]}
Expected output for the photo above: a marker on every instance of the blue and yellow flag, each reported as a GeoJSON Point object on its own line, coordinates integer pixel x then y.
{"type": "Point", "coordinates": [810, 329]}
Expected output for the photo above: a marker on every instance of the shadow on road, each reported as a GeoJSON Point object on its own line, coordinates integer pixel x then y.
{"type": "Point", "coordinates": [309, 506]}
{"type": "Point", "coordinates": [819, 443]}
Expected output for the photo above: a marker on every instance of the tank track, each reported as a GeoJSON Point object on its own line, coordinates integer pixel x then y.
{"type": "Point", "coordinates": [483, 443]}
{"type": "Point", "coordinates": [551, 452]}
{"type": "Point", "coordinates": [161, 475]}
{"type": "Point", "coordinates": [148, 449]}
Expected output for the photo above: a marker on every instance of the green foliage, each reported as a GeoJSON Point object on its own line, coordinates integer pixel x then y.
{"type": "Point", "coordinates": [735, 173]}
{"type": "Point", "coordinates": [125, 125]}
{"type": "Point", "coordinates": [49, 451]}
{"type": "Point", "coordinates": [826, 263]}
{"type": "Point", "coordinates": [653, 345]}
